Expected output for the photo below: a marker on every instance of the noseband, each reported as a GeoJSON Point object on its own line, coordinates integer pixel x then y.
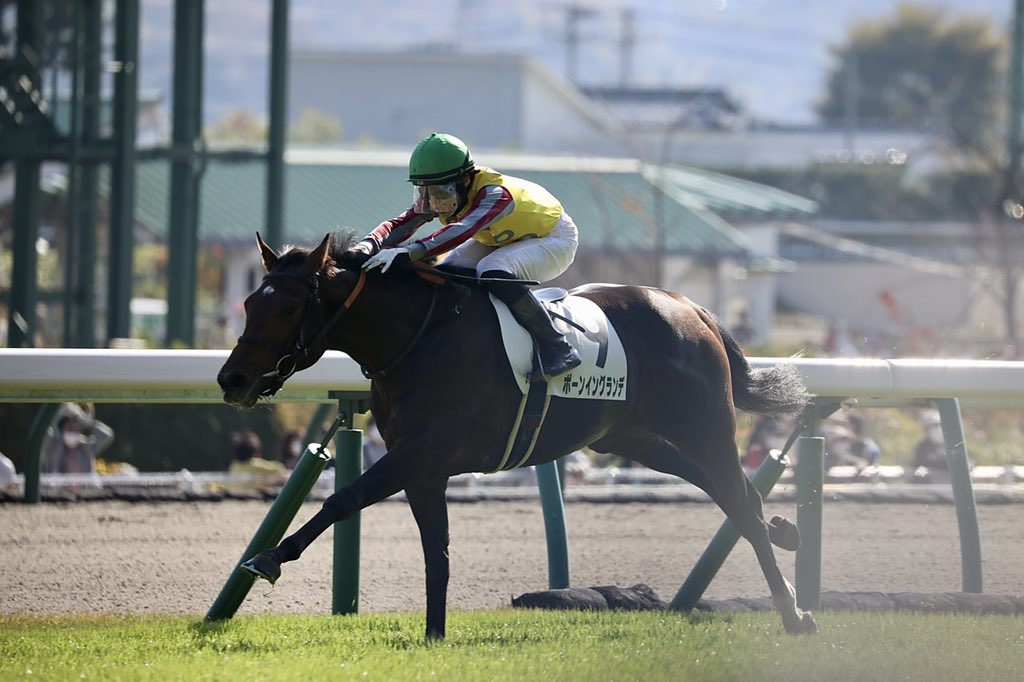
{"type": "Point", "coordinates": [289, 361]}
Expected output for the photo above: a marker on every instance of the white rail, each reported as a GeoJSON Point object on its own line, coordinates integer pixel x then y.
{"type": "Point", "coordinates": [189, 376]}
{"type": "Point", "coordinates": [159, 376]}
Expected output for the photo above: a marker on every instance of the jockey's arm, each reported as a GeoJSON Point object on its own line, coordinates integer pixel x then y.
{"type": "Point", "coordinates": [491, 203]}
{"type": "Point", "coordinates": [393, 232]}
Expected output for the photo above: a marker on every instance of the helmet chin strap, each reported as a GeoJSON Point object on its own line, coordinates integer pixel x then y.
{"type": "Point", "coordinates": [463, 190]}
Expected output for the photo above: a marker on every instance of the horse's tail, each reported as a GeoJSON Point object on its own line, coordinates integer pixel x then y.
{"type": "Point", "coordinates": [767, 390]}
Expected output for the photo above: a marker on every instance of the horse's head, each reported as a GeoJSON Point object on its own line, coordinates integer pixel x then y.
{"type": "Point", "coordinates": [284, 325]}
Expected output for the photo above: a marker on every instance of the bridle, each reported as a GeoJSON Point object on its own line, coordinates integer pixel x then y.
{"type": "Point", "coordinates": [289, 360]}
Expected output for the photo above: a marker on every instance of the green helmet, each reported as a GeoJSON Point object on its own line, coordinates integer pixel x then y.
{"type": "Point", "coordinates": [439, 158]}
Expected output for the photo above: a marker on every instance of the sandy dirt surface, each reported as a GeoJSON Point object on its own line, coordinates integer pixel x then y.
{"type": "Point", "coordinates": [143, 558]}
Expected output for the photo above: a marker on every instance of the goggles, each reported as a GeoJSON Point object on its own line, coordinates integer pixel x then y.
{"type": "Point", "coordinates": [440, 199]}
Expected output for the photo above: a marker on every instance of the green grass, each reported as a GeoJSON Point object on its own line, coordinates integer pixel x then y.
{"type": "Point", "coordinates": [514, 645]}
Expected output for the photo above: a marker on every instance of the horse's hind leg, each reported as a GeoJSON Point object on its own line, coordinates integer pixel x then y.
{"type": "Point", "coordinates": [741, 502]}
{"type": "Point", "coordinates": [717, 471]}
{"type": "Point", "coordinates": [657, 453]}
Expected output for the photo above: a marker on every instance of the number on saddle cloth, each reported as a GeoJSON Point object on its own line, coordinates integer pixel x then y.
{"type": "Point", "coordinates": [603, 373]}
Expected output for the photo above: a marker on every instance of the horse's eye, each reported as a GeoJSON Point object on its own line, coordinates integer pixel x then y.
{"type": "Point", "coordinates": [289, 309]}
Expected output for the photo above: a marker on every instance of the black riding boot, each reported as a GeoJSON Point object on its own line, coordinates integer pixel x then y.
{"type": "Point", "coordinates": [556, 355]}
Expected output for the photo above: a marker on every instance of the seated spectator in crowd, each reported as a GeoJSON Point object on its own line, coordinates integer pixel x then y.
{"type": "Point", "coordinates": [844, 444]}
{"type": "Point", "coordinates": [930, 462]}
{"type": "Point", "coordinates": [74, 440]}
{"type": "Point", "coordinates": [770, 433]}
{"type": "Point", "coordinates": [577, 465]}
{"type": "Point", "coordinates": [864, 446]}
{"type": "Point", "coordinates": [373, 444]}
{"type": "Point", "coordinates": [7, 474]}
{"type": "Point", "coordinates": [249, 470]}
{"type": "Point", "coordinates": [291, 449]}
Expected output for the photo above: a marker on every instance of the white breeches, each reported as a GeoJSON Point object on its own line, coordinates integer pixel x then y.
{"type": "Point", "coordinates": [541, 258]}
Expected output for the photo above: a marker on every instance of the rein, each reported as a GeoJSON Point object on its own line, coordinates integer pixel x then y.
{"type": "Point", "coordinates": [380, 374]}
{"type": "Point", "coordinates": [288, 363]}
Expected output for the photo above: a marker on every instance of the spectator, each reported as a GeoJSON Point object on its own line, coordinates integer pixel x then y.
{"type": "Point", "coordinates": [74, 440]}
{"type": "Point", "coordinates": [577, 466]}
{"type": "Point", "coordinates": [839, 343]}
{"type": "Point", "coordinates": [7, 473]}
{"type": "Point", "coordinates": [930, 462]}
{"type": "Point", "coordinates": [842, 445]}
{"type": "Point", "coordinates": [291, 449]}
{"type": "Point", "coordinates": [744, 331]}
{"type": "Point", "coordinates": [769, 434]}
{"type": "Point", "coordinates": [250, 471]}
{"type": "Point", "coordinates": [373, 444]}
{"type": "Point", "coordinates": [864, 447]}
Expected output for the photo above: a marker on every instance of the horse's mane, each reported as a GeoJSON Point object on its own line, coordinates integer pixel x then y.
{"type": "Point", "coordinates": [341, 241]}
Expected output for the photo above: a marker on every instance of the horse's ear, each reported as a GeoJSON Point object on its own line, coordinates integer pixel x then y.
{"type": "Point", "coordinates": [270, 257]}
{"type": "Point", "coordinates": [318, 257]}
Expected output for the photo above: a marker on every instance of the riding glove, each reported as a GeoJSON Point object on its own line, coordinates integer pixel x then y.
{"type": "Point", "coordinates": [400, 255]}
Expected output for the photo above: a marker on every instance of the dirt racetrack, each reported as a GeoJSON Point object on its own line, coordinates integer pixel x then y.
{"type": "Point", "coordinates": [147, 558]}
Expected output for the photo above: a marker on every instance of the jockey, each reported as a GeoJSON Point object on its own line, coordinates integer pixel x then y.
{"type": "Point", "coordinates": [503, 227]}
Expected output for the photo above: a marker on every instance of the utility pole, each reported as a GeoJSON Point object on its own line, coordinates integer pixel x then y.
{"type": "Point", "coordinates": [1008, 213]}
{"type": "Point", "coordinates": [627, 41]}
{"type": "Point", "coordinates": [851, 97]}
{"type": "Point", "coordinates": [1016, 103]}
{"type": "Point", "coordinates": [574, 14]}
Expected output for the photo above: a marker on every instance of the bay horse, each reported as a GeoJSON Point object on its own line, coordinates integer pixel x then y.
{"type": "Point", "coordinates": [445, 399]}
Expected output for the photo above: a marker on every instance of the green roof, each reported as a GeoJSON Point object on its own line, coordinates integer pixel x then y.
{"type": "Point", "coordinates": [616, 205]}
{"type": "Point", "coordinates": [731, 198]}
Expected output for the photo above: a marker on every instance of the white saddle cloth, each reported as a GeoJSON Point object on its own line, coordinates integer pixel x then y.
{"type": "Point", "coordinates": [602, 376]}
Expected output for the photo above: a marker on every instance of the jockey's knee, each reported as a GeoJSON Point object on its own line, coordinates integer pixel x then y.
{"type": "Point", "coordinates": [505, 290]}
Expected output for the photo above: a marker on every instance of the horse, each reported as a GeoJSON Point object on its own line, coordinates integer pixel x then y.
{"type": "Point", "coordinates": [444, 398]}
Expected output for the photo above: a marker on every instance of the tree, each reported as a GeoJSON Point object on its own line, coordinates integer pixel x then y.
{"type": "Point", "coordinates": [315, 127]}
{"type": "Point", "coordinates": [239, 126]}
{"type": "Point", "coordinates": [921, 70]}
{"type": "Point", "coordinates": [925, 71]}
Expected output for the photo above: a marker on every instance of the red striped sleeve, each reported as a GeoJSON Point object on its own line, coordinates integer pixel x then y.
{"type": "Point", "coordinates": [489, 205]}
{"type": "Point", "coordinates": [395, 231]}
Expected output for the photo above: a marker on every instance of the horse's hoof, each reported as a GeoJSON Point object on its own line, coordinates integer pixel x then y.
{"type": "Point", "coordinates": [783, 533]}
{"type": "Point", "coordinates": [810, 626]}
{"type": "Point", "coordinates": [263, 566]}
{"type": "Point", "coordinates": [804, 625]}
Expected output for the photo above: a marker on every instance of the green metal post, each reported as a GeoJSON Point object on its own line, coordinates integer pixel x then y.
{"type": "Point", "coordinates": [85, 287]}
{"type": "Point", "coordinates": [35, 446]}
{"type": "Point", "coordinates": [27, 195]}
{"type": "Point", "coordinates": [554, 525]}
{"type": "Point", "coordinates": [122, 176]}
{"type": "Point", "coordinates": [24, 289]}
{"type": "Point", "coordinates": [277, 106]}
{"type": "Point", "coordinates": [725, 539]}
{"type": "Point", "coordinates": [348, 466]}
{"type": "Point", "coordinates": [963, 493]}
{"type": "Point", "coordinates": [810, 482]}
{"type": "Point", "coordinates": [270, 532]}
{"type": "Point", "coordinates": [73, 233]}
{"type": "Point", "coordinates": [183, 222]}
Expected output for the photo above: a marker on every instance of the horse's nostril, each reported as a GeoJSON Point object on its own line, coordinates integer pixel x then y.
{"type": "Point", "coordinates": [230, 380]}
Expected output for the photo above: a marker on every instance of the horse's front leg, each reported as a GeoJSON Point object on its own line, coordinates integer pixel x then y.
{"type": "Point", "coordinates": [430, 508]}
{"type": "Point", "coordinates": [383, 479]}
